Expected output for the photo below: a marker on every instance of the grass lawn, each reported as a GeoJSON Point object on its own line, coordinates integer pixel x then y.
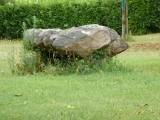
{"type": "Point", "coordinates": [118, 95]}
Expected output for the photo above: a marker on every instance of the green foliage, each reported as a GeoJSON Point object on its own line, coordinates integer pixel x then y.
{"type": "Point", "coordinates": [11, 61]}
{"type": "Point", "coordinates": [30, 63]}
{"type": "Point", "coordinates": [144, 16]}
{"type": "Point", "coordinates": [58, 15]}
{"type": "Point", "coordinates": [50, 63]}
{"type": "Point", "coordinates": [3, 2]}
{"type": "Point", "coordinates": [70, 64]}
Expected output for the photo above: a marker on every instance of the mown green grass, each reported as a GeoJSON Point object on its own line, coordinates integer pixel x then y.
{"type": "Point", "coordinates": [93, 97]}
{"type": "Point", "coordinates": [149, 38]}
{"type": "Point", "coordinates": [119, 95]}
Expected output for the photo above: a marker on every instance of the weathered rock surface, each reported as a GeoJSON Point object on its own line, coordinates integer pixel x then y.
{"type": "Point", "coordinates": [82, 41]}
{"type": "Point", "coordinates": [43, 37]}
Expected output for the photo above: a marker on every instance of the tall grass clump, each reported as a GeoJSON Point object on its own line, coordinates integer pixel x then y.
{"type": "Point", "coordinates": [11, 61]}
{"type": "Point", "coordinates": [33, 61]}
{"type": "Point", "coordinates": [30, 62]}
{"type": "Point", "coordinates": [71, 64]}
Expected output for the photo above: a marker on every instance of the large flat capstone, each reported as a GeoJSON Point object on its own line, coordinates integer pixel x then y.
{"type": "Point", "coordinates": [81, 41]}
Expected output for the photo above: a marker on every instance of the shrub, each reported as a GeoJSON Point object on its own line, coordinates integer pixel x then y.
{"type": "Point", "coordinates": [143, 16]}
{"type": "Point", "coordinates": [58, 16]}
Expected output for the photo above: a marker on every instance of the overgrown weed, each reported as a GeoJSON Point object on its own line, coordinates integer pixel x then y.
{"type": "Point", "coordinates": [11, 61]}
{"type": "Point", "coordinates": [32, 62]}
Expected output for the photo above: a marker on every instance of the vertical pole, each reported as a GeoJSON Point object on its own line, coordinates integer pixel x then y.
{"type": "Point", "coordinates": [123, 20]}
{"type": "Point", "coordinates": [127, 17]}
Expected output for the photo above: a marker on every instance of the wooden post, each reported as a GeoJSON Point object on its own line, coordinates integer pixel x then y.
{"type": "Point", "coordinates": [127, 17]}
{"type": "Point", "coordinates": [123, 19]}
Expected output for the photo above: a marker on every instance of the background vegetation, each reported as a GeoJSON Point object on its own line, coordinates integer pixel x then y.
{"type": "Point", "coordinates": [3, 2]}
{"type": "Point", "coordinates": [143, 15]}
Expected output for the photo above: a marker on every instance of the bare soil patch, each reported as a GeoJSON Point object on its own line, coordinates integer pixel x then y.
{"type": "Point", "coordinates": [145, 46]}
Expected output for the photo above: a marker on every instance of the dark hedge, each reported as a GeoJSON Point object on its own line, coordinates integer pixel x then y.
{"type": "Point", "coordinates": [144, 16]}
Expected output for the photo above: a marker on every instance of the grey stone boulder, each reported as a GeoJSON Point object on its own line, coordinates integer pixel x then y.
{"type": "Point", "coordinates": [84, 40]}
{"type": "Point", "coordinates": [81, 41]}
{"type": "Point", "coordinates": [41, 38]}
